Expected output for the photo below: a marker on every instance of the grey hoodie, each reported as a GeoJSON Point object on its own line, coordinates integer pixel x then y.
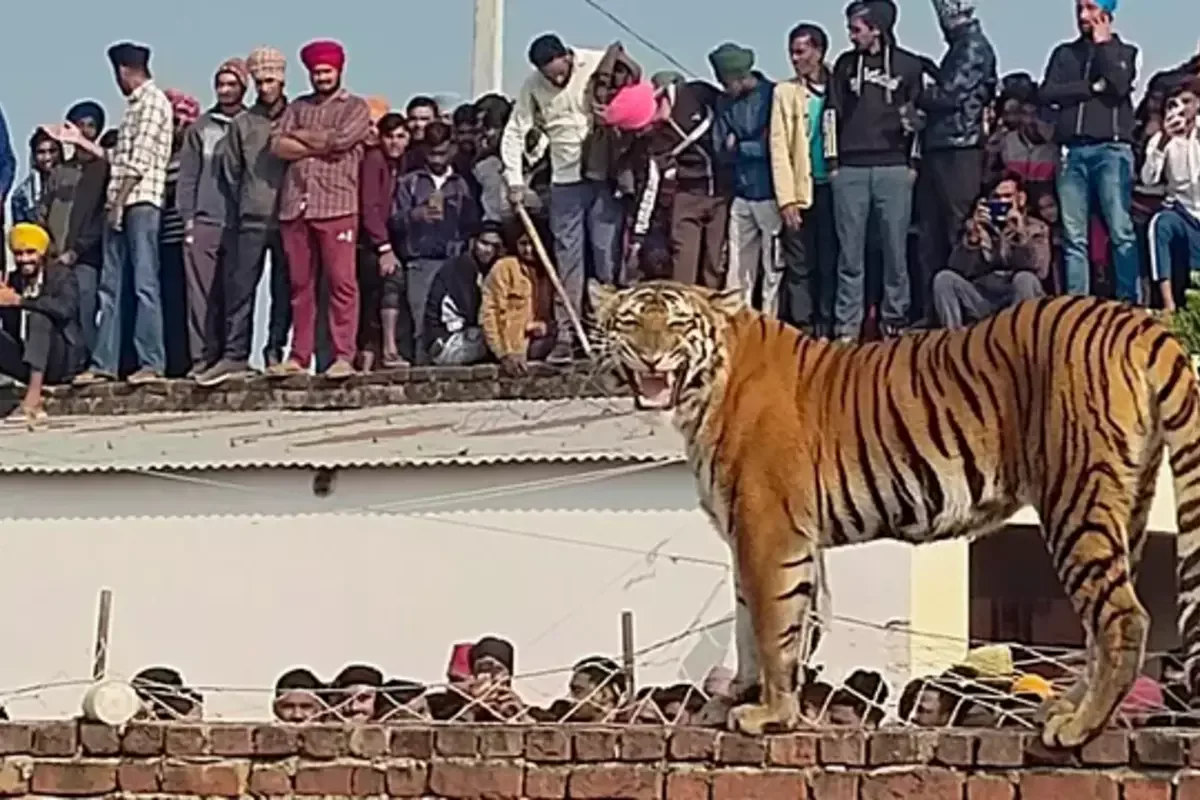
{"type": "Point", "coordinates": [198, 195]}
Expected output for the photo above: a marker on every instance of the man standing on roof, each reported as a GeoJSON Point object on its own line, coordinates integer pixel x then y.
{"type": "Point", "coordinates": [555, 100]}
{"type": "Point", "coordinates": [873, 92]}
{"type": "Point", "coordinates": [322, 135]}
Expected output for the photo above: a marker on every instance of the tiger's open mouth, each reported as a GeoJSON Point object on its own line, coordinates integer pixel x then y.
{"type": "Point", "coordinates": [654, 390]}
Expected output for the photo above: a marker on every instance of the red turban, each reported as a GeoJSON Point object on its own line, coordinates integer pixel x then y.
{"type": "Point", "coordinates": [323, 52]}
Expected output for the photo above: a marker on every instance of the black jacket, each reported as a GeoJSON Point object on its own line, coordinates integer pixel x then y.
{"type": "Point", "coordinates": [58, 299]}
{"type": "Point", "coordinates": [697, 169]}
{"type": "Point", "coordinates": [1086, 116]}
{"type": "Point", "coordinates": [966, 85]}
{"type": "Point", "coordinates": [85, 224]}
{"type": "Point", "coordinates": [866, 93]}
{"type": "Point", "coordinates": [454, 299]}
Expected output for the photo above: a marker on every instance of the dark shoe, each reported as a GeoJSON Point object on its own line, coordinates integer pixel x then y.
{"type": "Point", "coordinates": [223, 370]}
{"type": "Point", "coordinates": [198, 369]}
{"type": "Point", "coordinates": [888, 330]}
{"type": "Point", "coordinates": [145, 377]}
{"type": "Point", "coordinates": [563, 353]}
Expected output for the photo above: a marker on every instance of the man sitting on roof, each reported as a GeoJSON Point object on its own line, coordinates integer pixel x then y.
{"type": "Point", "coordinates": [51, 348]}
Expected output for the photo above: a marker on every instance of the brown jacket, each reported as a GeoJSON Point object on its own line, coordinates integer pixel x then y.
{"type": "Point", "coordinates": [1010, 252]}
{"type": "Point", "coordinates": [514, 296]}
{"type": "Point", "coordinates": [605, 148]}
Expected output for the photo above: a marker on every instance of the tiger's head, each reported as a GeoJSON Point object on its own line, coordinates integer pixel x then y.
{"type": "Point", "coordinates": [663, 337]}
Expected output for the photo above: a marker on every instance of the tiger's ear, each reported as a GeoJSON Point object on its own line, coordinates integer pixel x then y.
{"type": "Point", "coordinates": [726, 301]}
{"type": "Point", "coordinates": [600, 295]}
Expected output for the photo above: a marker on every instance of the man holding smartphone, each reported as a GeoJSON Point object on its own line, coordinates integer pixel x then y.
{"type": "Point", "coordinates": [1002, 258]}
{"type": "Point", "coordinates": [1173, 158]}
{"type": "Point", "coordinates": [1089, 82]}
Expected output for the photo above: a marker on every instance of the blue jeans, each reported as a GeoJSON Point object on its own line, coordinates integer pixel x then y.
{"type": "Point", "coordinates": [1173, 230]}
{"type": "Point", "coordinates": [1103, 172]}
{"type": "Point", "coordinates": [131, 252]}
{"type": "Point", "coordinates": [584, 213]}
{"type": "Point", "coordinates": [87, 277]}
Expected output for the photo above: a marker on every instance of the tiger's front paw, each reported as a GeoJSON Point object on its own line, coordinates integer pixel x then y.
{"type": "Point", "coordinates": [755, 720]}
{"type": "Point", "coordinates": [1065, 731]}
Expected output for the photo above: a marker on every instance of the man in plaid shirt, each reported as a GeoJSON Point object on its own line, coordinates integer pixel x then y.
{"type": "Point", "coordinates": [133, 213]}
{"type": "Point", "coordinates": [322, 135]}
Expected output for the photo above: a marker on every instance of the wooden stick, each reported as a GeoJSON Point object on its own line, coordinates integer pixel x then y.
{"type": "Point", "coordinates": [548, 265]}
{"type": "Point", "coordinates": [627, 651]}
{"type": "Point", "coordinates": [103, 632]}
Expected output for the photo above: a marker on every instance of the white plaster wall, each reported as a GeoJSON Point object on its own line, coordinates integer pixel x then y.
{"type": "Point", "coordinates": [234, 576]}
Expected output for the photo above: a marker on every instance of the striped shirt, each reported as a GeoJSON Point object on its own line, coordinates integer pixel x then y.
{"type": "Point", "coordinates": [326, 186]}
{"type": "Point", "coordinates": [143, 146]}
{"type": "Point", "coordinates": [171, 230]}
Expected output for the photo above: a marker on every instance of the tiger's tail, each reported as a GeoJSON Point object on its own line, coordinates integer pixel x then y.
{"type": "Point", "coordinates": [1173, 378]}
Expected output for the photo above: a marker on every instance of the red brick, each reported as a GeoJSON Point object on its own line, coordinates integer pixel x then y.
{"type": "Point", "coordinates": [412, 743]}
{"type": "Point", "coordinates": [891, 747]}
{"type": "Point", "coordinates": [502, 743]}
{"type": "Point", "coordinates": [794, 750]}
{"type": "Point", "coordinates": [1060, 785]}
{"type": "Point", "coordinates": [325, 779]}
{"type": "Point", "coordinates": [1138, 788]}
{"type": "Point", "coordinates": [928, 784]}
{"type": "Point", "coordinates": [276, 740]}
{"type": "Point", "coordinates": [231, 740]}
{"type": "Point", "coordinates": [834, 786]}
{"type": "Point", "coordinates": [548, 745]}
{"type": "Point", "coordinates": [1160, 749]}
{"type": "Point", "coordinates": [456, 741]}
{"type": "Point", "coordinates": [271, 781]}
{"type": "Point", "coordinates": [186, 740]}
{"type": "Point", "coordinates": [736, 748]}
{"type": "Point", "coordinates": [324, 741]}
{"type": "Point", "coordinates": [14, 776]}
{"type": "Point", "coordinates": [546, 783]}
{"type": "Point", "coordinates": [757, 785]}
{"type": "Point", "coordinates": [1001, 748]}
{"type": "Point", "coordinates": [368, 782]}
{"type": "Point", "coordinates": [138, 777]}
{"type": "Point", "coordinates": [73, 779]}
{"type": "Point", "coordinates": [595, 745]}
{"type": "Point", "coordinates": [990, 787]}
{"type": "Point", "coordinates": [144, 739]}
{"type": "Point", "coordinates": [1189, 788]}
{"type": "Point", "coordinates": [955, 749]}
{"type": "Point", "coordinates": [99, 740]}
{"type": "Point", "coordinates": [848, 748]}
{"type": "Point", "coordinates": [687, 785]}
{"type": "Point", "coordinates": [55, 738]}
{"type": "Point", "coordinates": [215, 780]}
{"type": "Point", "coordinates": [407, 780]}
{"type": "Point", "coordinates": [614, 782]}
{"type": "Point", "coordinates": [692, 744]}
{"type": "Point", "coordinates": [487, 780]}
{"type": "Point", "coordinates": [15, 738]}
{"type": "Point", "coordinates": [643, 744]}
{"type": "Point", "coordinates": [1109, 749]}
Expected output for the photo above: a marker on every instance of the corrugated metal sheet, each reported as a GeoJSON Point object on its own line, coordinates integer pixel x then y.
{"type": "Point", "coordinates": [577, 430]}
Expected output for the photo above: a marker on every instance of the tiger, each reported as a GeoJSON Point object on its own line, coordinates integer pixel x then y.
{"type": "Point", "coordinates": [800, 444]}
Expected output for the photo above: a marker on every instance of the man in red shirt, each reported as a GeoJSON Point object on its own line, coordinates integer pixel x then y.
{"type": "Point", "coordinates": [322, 135]}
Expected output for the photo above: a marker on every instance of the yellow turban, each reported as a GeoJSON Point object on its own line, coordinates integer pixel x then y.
{"type": "Point", "coordinates": [1033, 684]}
{"type": "Point", "coordinates": [27, 236]}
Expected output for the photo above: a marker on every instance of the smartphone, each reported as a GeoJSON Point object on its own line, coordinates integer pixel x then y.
{"type": "Point", "coordinates": [999, 210]}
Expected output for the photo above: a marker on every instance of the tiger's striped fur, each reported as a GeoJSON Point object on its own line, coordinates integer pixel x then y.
{"type": "Point", "coordinates": [798, 444]}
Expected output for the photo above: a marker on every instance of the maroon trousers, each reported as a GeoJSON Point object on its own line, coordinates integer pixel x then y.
{"type": "Point", "coordinates": [326, 248]}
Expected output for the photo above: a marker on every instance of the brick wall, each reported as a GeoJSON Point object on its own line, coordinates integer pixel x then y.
{"type": "Point", "coordinates": [305, 393]}
{"type": "Point", "coordinates": [66, 759]}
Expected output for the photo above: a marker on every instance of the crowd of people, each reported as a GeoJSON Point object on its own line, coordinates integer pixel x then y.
{"type": "Point", "coordinates": [994, 686]}
{"type": "Point", "coordinates": [858, 198]}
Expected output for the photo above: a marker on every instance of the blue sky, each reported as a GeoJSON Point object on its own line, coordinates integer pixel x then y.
{"type": "Point", "coordinates": [403, 47]}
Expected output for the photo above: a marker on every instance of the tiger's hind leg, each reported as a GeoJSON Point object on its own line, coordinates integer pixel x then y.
{"type": "Point", "coordinates": [1089, 536]}
{"type": "Point", "coordinates": [1069, 700]}
{"type": "Point", "coordinates": [779, 579]}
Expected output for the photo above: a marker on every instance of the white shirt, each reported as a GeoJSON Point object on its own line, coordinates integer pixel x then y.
{"type": "Point", "coordinates": [561, 114]}
{"type": "Point", "coordinates": [1178, 166]}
